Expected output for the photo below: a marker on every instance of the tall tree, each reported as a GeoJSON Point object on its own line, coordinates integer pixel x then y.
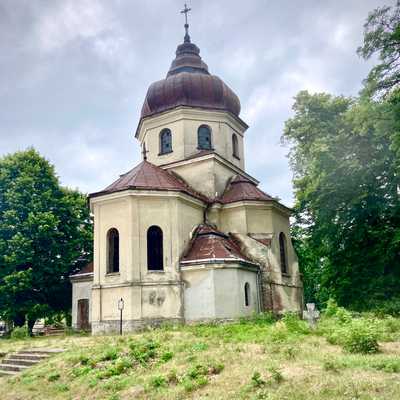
{"type": "Point", "coordinates": [44, 229]}
{"type": "Point", "coordinates": [347, 199]}
{"type": "Point", "coordinates": [382, 36]}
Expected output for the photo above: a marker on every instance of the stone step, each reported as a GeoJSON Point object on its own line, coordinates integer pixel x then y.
{"type": "Point", "coordinates": [41, 350]}
{"type": "Point", "coordinates": [30, 356]}
{"type": "Point", "coordinates": [7, 373]}
{"type": "Point", "coordinates": [21, 361]}
{"type": "Point", "coordinates": [11, 367]}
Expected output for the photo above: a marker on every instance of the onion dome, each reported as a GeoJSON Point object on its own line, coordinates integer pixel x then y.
{"type": "Point", "coordinates": [189, 83]}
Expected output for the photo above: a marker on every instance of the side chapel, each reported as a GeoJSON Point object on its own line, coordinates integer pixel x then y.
{"type": "Point", "coordinates": [187, 235]}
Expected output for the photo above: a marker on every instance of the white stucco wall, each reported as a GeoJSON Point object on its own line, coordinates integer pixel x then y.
{"type": "Point", "coordinates": [147, 294]}
{"type": "Point", "coordinates": [81, 289]}
{"type": "Point", "coordinates": [184, 123]}
{"type": "Point", "coordinates": [217, 292]}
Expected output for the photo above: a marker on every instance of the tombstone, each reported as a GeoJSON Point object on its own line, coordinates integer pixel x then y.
{"type": "Point", "coordinates": [311, 315]}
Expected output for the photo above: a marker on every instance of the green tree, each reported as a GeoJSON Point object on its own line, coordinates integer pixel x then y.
{"type": "Point", "coordinates": [382, 36]}
{"type": "Point", "coordinates": [347, 199]}
{"type": "Point", "coordinates": [44, 229]}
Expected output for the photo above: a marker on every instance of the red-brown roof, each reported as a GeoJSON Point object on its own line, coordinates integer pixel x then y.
{"type": "Point", "coordinates": [242, 189]}
{"type": "Point", "coordinates": [87, 269]}
{"type": "Point", "coordinates": [209, 244]}
{"type": "Point", "coordinates": [150, 177]}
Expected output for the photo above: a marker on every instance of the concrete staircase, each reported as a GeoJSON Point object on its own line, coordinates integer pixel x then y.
{"type": "Point", "coordinates": [23, 359]}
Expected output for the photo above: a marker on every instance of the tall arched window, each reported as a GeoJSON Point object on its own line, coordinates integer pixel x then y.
{"type": "Point", "coordinates": [283, 253]}
{"type": "Point", "coordinates": [246, 294]}
{"type": "Point", "coordinates": [165, 141]}
{"type": "Point", "coordinates": [235, 146]}
{"type": "Point", "coordinates": [113, 251]}
{"type": "Point", "coordinates": [204, 137]}
{"type": "Point", "coordinates": [155, 260]}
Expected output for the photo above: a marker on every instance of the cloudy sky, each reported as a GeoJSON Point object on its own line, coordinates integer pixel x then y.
{"type": "Point", "coordinates": [74, 73]}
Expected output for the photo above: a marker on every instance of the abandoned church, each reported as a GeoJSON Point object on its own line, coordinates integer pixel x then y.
{"type": "Point", "coordinates": [186, 235]}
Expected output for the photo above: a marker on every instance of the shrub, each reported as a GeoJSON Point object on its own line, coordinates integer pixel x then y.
{"type": "Point", "coordinates": [339, 313]}
{"type": "Point", "coordinates": [276, 375]}
{"type": "Point", "coordinates": [53, 377]}
{"type": "Point", "coordinates": [387, 307]}
{"type": "Point", "coordinates": [166, 356]}
{"type": "Point", "coordinates": [144, 350]}
{"type": "Point", "coordinates": [256, 380]}
{"type": "Point", "coordinates": [172, 377]}
{"type": "Point", "coordinates": [158, 381]}
{"type": "Point", "coordinates": [19, 332]}
{"type": "Point", "coordinates": [81, 371]}
{"type": "Point", "coordinates": [109, 354]}
{"type": "Point", "coordinates": [330, 365]}
{"type": "Point", "coordinates": [294, 324]}
{"type": "Point", "coordinates": [361, 337]}
{"type": "Point", "coordinates": [278, 332]}
{"type": "Point", "coordinates": [199, 346]}
{"type": "Point", "coordinates": [388, 365]}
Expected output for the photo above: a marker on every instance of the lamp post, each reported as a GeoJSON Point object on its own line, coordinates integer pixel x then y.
{"type": "Point", "coordinates": [120, 308]}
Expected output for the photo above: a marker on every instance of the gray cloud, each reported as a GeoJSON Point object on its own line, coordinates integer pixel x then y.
{"type": "Point", "coordinates": [73, 74]}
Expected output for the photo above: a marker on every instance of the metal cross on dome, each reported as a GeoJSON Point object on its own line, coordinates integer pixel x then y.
{"type": "Point", "coordinates": [186, 11]}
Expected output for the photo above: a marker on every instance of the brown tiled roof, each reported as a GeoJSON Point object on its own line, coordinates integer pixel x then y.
{"type": "Point", "coordinates": [241, 189]}
{"type": "Point", "coordinates": [150, 177]}
{"type": "Point", "coordinates": [87, 269]}
{"type": "Point", "coordinates": [209, 244]}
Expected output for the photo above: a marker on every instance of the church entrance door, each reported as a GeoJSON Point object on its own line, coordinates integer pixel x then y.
{"type": "Point", "coordinates": [83, 314]}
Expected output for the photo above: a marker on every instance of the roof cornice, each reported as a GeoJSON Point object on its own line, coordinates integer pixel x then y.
{"type": "Point", "coordinates": [181, 112]}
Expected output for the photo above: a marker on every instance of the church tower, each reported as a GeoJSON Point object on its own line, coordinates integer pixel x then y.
{"type": "Point", "coordinates": [187, 235]}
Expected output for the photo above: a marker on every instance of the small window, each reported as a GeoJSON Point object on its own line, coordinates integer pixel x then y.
{"type": "Point", "coordinates": [165, 141]}
{"type": "Point", "coordinates": [155, 260]}
{"type": "Point", "coordinates": [246, 294]}
{"type": "Point", "coordinates": [235, 146]}
{"type": "Point", "coordinates": [113, 251]}
{"type": "Point", "coordinates": [283, 253]}
{"type": "Point", "coordinates": [204, 137]}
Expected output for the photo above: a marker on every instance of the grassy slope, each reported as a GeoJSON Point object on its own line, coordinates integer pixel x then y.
{"type": "Point", "coordinates": [215, 362]}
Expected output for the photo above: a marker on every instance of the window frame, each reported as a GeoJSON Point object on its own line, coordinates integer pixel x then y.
{"type": "Point", "coordinates": [150, 256]}
{"type": "Point", "coordinates": [199, 147]}
{"type": "Point", "coordinates": [247, 294]}
{"type": "Point", "coordinates": [163, 132]}
{"type": "Point", "coordinates": [113, 259]}
{"type": "Point", "coordinates": [235, 146]}
{"type": "Point", "coordinates": [283, 254]}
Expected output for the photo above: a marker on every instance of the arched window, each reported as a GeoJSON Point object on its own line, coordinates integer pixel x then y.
{"type": "Point", "coordinates": [204, 137]}
{"type": "Point", "coordinates": [235, 146]}
{"type": "Point", "coordinates": [113, 251]}
{"type": "Point", "coordinates": [282, 249]}
{"type": "Point", "coordinates": [155, 260]}
{"type": "Point", "coordinates": [165, 141]}
{"type": "Point", "coordinates": [246, 294]}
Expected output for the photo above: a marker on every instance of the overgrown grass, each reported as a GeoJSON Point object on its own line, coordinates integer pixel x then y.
{"type": "Point", "coordinates": [258, 358]}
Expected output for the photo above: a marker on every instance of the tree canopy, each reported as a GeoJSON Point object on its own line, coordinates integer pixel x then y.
{"type": "Point", "coordinates": [44, 230]}
{"type": "Point", "coordinates": [382, 36]}
{"type": "Point", "coordinates": [345, 155]}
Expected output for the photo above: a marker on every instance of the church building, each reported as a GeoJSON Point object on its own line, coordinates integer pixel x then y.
{"type": "Point", "coordinates": [187, 235]}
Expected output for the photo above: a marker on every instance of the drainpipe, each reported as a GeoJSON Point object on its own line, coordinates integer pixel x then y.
{"type": "Point", "coordinates": [259, 289]}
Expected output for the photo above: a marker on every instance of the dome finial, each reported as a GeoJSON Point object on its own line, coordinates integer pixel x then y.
{"type": "Point", "coordinates": [185, 11]}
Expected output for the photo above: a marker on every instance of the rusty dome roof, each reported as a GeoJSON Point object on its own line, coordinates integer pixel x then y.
{"type": "Point", "coordinates": [188, 83]}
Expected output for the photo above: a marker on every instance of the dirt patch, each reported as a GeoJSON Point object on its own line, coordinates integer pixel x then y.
{"type": "Point", "coordinates": [390, 347]}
